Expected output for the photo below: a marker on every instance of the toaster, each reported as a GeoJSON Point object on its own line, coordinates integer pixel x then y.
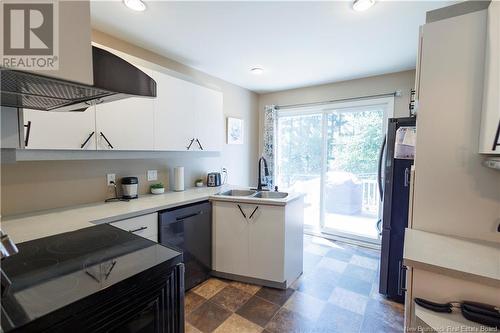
{"type": "Point", "coordinates": [214, 179]}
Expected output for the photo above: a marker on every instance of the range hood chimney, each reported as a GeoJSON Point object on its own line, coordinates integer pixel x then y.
{"type": "Point", "coordinates": [114, 78]}
{"type": "Point", "coordinates": [86, 75]}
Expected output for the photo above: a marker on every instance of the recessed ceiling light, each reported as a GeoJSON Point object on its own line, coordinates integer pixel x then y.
{"type": "Point", "coordinates": [361, 5]}
{"type": "Point", "coordinates": [257, 70]}
{"type": "Point", "coordinates": [136, 5]}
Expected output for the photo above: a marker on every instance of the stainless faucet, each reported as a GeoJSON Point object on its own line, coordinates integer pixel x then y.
{"type": "Point", "coordinates": [266, 173]}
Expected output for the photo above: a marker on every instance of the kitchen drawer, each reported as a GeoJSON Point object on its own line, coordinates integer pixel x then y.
{"type": "Point", "coordinates": [145, 226]}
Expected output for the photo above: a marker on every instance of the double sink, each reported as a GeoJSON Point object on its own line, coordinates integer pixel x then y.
{"type": "Point", "coordinates": [255, 194]}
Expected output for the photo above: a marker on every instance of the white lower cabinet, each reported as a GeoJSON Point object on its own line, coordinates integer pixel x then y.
{"type": "Point", "coordinates": [266, 246]}
{"type": "Point", "coordinates": [59, 130]}
{"type": "Point", "coordinates": [145, 226]}
{"type": "Point", "coordinates": [230, 239]}
{"type": "Point", "coordinates": [266, 234]}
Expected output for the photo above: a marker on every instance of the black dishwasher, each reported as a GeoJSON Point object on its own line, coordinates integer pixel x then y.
{"type": "Point", "coordinates": [189, 228]}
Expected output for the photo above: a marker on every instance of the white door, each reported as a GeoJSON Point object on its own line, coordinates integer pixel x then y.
{"type": "Point", "coordinates": [174, 113]}
{"type": "Point", "coordinates": [60, 130]}
{"type": "Point", "coordinates": [230, 239]}
{"type": "Point", "coordinates": [266, 242]}
{"type": "Point", "coordinates": [126, 124]}
{"type": "Point", "coordinates": [209, 120]}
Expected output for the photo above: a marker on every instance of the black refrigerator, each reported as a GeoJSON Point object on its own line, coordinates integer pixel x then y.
{"type": "Point", "coordinates": [394, 184]}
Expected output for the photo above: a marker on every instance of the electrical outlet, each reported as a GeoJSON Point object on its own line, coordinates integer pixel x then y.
{"type": "Point", "coordinates": [110, 178]}
{"type": "Point", "coordinates": [152, 175]}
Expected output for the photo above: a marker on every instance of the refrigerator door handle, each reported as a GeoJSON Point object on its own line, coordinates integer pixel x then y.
{"type": "Point", "coordinates": [379, 171]}
{"type": "Point", "coordinates": [407, 177]}
{"type": "Point", "coordinates": [401, 278]}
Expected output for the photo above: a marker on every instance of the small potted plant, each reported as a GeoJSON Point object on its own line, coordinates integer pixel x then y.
{"type": "Point", "coordinates": [198, 182]}
{"type": "Point", "coordinates": [157, 188]}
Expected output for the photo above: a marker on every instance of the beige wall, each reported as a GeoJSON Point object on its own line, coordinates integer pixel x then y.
{"type": "Point", "coordinates": [347, 89]}
{"type": "Point", "coordinates": [33, 186]}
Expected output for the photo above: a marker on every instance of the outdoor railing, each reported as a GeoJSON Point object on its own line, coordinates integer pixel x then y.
{"type": "Point", "coordinates": [371, 197]}
{"type": "Point", "coordinates": [370, 193]}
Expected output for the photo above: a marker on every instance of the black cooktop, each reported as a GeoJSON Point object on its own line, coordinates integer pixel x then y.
{"type": "Point", "coordinates": [52, 272]}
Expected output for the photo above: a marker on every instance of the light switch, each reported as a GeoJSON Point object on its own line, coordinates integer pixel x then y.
{"type": "Point", "coordinates": [152, 175]}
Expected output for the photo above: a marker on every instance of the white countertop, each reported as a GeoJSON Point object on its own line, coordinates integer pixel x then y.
{"type": "Point", "coordinates": [26, 227]}
{"type": "Point", "coordinates": [458, 257]}
{"type": "Point", "coordinates": [256, 200]}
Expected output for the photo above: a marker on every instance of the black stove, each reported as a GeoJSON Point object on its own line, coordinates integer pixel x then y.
{"type": "Point", "coordinates": [51, 273]}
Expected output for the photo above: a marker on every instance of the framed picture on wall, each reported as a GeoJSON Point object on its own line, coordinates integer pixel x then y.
{"type": "Point", "coordinates": [234, 131]}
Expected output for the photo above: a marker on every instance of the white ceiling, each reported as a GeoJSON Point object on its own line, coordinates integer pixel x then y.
{"type": "Point", "coordinates": [297, 43]}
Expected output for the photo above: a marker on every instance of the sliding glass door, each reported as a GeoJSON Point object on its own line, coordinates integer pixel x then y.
{"type": "Point", "coordinates": [330, 153]}
{"type": "Point", "coordinates": [351, 197]}
{"type": "Point", "coordinates": [299, 159]}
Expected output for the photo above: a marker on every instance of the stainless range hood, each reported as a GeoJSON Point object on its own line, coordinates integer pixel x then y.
{"type": "Point", "coordinates": [114, 78]}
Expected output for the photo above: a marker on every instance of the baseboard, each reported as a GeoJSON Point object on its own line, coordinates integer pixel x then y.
{"type": "Point", "coordinates": [246, 279]}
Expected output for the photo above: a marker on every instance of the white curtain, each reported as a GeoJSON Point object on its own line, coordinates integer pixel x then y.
{"type": "Point", "coordinates": [269, 149]}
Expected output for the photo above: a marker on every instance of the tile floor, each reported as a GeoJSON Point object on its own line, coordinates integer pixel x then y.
{"type": "Point", "coordinates": [338, 292]}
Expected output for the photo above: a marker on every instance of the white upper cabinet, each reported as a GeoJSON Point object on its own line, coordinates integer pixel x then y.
{"type": "Point", "coordinates": [60, 130]}
{"type": "Point", "coordinates": [489, 142]}
{"type": "Point", "coordinates": [173, 116]}
{"type": "Point", "coordinates": [126, 124]}
{"type": "Point", "coordinates": [188, 116]}
{"type": "Point", "coordinates": [209, 119]}
{"type": "Point", "coordinates": [183, 116]}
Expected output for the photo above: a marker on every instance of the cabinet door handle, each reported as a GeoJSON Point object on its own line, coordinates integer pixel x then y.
{"type": "Point", "coordinates": [113, 263]}
{"type": "Point", "coordinates": [242, 213]}
{"type": "Point", "coordinates": [199, 144]}
{"type": "Point", "coordinates": [497, 136]}
{"type": "Point", "coordinates": [190, 144]}
{"type": "Point", "coordinates": [251, 215]}
{"type": "Point", "coordinates": [28, 130]}
{"type": "Point", "coordinates": [107, 141]}
{"type": "Point", "coordinates": [85, 142]}
{"type": "Point", "coordinates": [138, 229]}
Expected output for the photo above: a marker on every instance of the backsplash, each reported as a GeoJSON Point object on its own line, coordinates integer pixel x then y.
{"type": "Point", "coordinates": [40, 185]}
